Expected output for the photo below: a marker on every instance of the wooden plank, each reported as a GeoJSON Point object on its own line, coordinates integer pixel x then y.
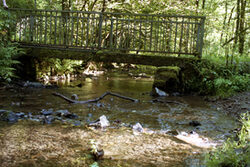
{"type": "Point", "coordinates": [45, 28]}
{"type": "Point", "coordinates": [145, 36]}
{"type": "Point", "coordinates": [100, 31]}
{"type": "Point", "coordinates": [120, 45]}
{"type": "Point", "coordinates": [87, 33]}
{"type": "Point", "coordinates": [72, 30]}
{"type": "Point", "coordinates": [151, 34]}
{"type": "Point", "coordinates": [82, 35]}
{"type": "Point", "coordinates": [55, 29]}
{"type": "Point", "coordinates": [169, 38]}
{"type": "Point", "coordinates": [50, 28]}
{"type": "Point", "coordinates": [60, 29]}
{"type": "Point", "coordinates": [128, 32]}
{"type": "Point", "coordinates": [125, 14]}
{"type": "Point", "coordinates": [180, 42]}
{"type": "Point", "coordinates": [116, 35]}
{"type": "Point", "coordinates": [77, 29]}
{"type": "Point", "coordinates": [134, 36]}
{"type": "Point", "coordinates": [41, 29]}
{"type": "Point", "coordinates": [175, 37]}
{"type": "Point", "coordinates": [111, 34]}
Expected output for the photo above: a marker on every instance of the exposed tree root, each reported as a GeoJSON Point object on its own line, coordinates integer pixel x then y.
{"type": "Point", "coordinates": [94, 100]}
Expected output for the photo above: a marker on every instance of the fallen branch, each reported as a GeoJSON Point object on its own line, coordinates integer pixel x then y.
{"type": "Point", "coordinates": [165, 101]}
{"type": "Point", "coordinates": [94, 100]}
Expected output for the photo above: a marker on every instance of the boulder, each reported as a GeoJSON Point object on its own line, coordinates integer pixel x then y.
{"type": "Point", "coordinates": [66, 113]}
{"type": "Point", "coordinates": [8, 116]}
{"type": "Point", "coordinates": [47, 112]}
{"type": "Point", "coordinates": [102, 122]}
{"type": "Point", "coordinates": [168, 79]}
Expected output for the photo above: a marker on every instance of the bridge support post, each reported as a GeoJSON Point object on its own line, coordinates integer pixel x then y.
{"type": "Point", "coordinates": [179, 79]}
{"type": "Point", "coordinates": [169, 79]}
{"type": "Point", "coordinates": [26, 70]}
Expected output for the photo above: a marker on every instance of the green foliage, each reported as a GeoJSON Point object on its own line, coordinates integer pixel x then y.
{"type": "Point", "coordinates": [233, 153]}
{"type": "Point", "coordinates": [236, 83]}
{"type": "Point", "coordinates": [7, 50]}
{"type": "Point", "coordinates": [58, 66]}
{"type": "Point", "coordinates": [221, 80]}
{"type": "Point", "coordinates": [27, 4]}
{"type": "Point", "coordinates": [6, 54]}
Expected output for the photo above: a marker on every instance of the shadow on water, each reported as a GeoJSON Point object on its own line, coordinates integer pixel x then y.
{"type": "Point", "coordinates": [123, 148]}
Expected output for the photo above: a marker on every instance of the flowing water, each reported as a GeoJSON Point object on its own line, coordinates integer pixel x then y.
{"type": "Point", "coordinates": [156, 147]}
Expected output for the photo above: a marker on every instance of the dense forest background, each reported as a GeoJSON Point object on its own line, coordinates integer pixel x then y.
{"type": "Point", "coordinates": [226, 38]}
{"type": "Point", "coordinates": [227, 21]}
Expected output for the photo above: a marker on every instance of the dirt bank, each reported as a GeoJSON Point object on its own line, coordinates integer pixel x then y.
{"type": "Point", "coordinates": [233, 106]}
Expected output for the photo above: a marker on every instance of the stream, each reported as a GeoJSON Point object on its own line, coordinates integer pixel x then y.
{"type": "Point", "coordinates": [177, 130]}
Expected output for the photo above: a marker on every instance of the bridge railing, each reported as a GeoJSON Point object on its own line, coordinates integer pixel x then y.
{"type": "Point", "coordinates": [109, 31]}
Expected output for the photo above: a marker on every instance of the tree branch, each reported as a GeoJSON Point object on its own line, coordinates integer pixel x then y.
{"type": "Point", "coordinates": [235, 36]}
{"type": "Point", "coordinates": [94, 100]}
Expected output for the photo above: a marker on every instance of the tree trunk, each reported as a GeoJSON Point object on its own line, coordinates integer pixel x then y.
{"type": "Point", "coordinates": [224, 22]}
{"type": "Point", "coordinates": [241, 26]}
{"type": "Point", "coordinates": [237, 23]}
{"type": "Point", "coordinates": [103, 5]}
{"type": "Point", "coordinates": [203, 4]}
{"type": "Point", "coordinates": [197, 5]}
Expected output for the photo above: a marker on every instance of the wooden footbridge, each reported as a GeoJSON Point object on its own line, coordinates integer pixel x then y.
{"type": "Point", "coordinates": [113, 33]}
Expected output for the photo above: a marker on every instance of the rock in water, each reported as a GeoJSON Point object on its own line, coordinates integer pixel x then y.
{"type": "Point", "coordinates": [98, 154]}
{"type": "Point", "coordinates": [138, 128]}
{"type": "Point", "coordinates": [47, 112]}
{"type": "Point", "coordinates": [62, 113]}
{"type": "Point", "coordinates": [74, 97]}
{"type": "Point", "coordinates": [8, 116]}
{"type": "Point", "coordinates": [160, 92]}
{"type": "Point", "coordinates": [194, 123]}
{"type": "Point", "coordinates": [66, 114]}
{"type": "Point", "coordinates": [104, 121]}
{"type": "Point", "coordinates": [33, 85]}
{"type": "Point", "coordinates": [20, 115]}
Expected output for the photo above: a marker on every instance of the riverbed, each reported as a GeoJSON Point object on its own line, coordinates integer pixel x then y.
{"type": "Point", "coordinates": [176, 130]}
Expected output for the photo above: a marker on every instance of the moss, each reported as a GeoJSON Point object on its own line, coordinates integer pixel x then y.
{"type": "Point", "coordinates": [167, 75]}
{"type": "Point", "coordinates": [159, 83]}
{"type": "Point", "coordinates": [167, 78]}
{"type": "Point", "coordinates": [169, 68]}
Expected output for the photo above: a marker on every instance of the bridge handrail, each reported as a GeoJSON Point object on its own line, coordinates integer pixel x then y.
{"type": "Point", "coordinates": [169, 34]}
{"type": "Point", "coordinates": [94, 12]}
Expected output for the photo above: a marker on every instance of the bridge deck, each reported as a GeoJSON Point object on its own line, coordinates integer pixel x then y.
{"type": "Point", "coordinates": [94, 31]}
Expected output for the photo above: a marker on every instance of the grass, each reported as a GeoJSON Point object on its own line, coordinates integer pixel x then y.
{"type": "Point", "coordinates": [234, 152]}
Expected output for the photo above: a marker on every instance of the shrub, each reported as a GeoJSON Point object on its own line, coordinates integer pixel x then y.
{"type": "Point", "coordinates": [233, 153]}
{"type": "Point", "coordinates": [7, 49]}
{"type": "Point", "coordinates": [6, 61]}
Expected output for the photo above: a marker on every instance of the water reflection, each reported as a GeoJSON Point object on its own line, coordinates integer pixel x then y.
{"type": "Point", "coordinates": [164, 116]}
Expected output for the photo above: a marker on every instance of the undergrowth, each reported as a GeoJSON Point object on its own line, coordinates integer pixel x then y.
{"type": "Point", "coordinates": [234, 152]}
{"type": "Point", "coordinates": [224, 80]}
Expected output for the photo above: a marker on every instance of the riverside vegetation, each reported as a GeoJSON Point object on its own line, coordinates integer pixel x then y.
{"type": "Point", "coordinates": [226, 73]}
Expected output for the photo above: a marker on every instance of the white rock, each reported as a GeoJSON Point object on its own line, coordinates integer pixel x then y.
{"type": "Point", "coordinates": [137, 127]}
{"type": "Point", "coordinates": [104, 121]}
{"type": "Point", "coordinates": [160, 92]}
